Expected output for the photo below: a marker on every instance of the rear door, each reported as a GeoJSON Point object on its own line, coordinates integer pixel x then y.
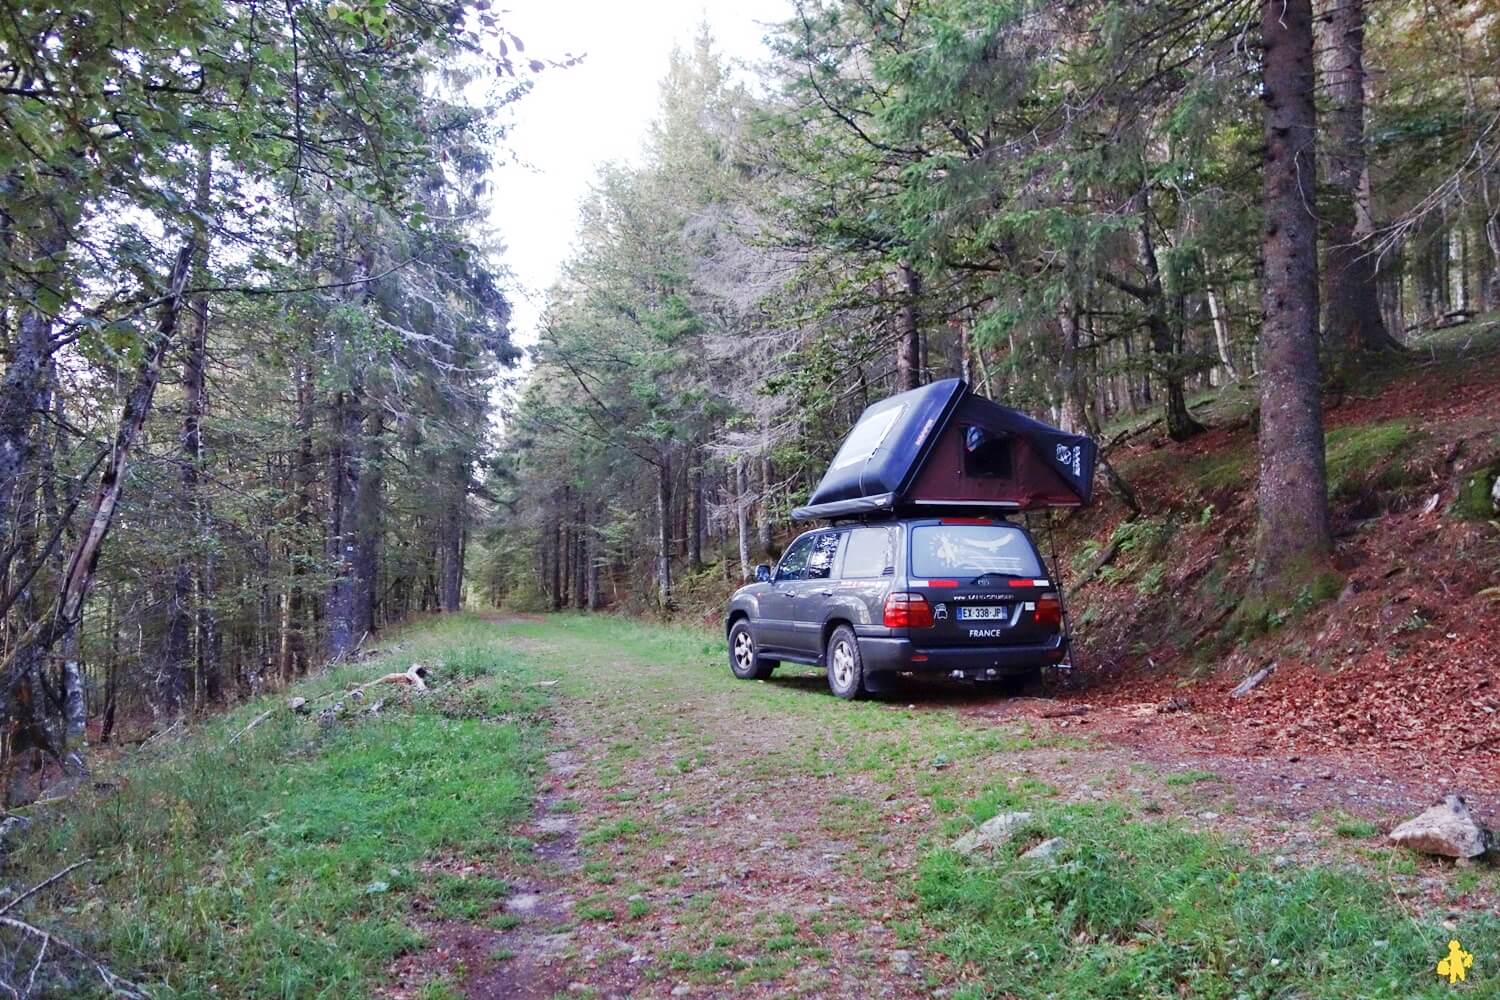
{"type": "Point", "coordinates": [811, 594]}
{"type": "Point", "coordinates": [983, 580]}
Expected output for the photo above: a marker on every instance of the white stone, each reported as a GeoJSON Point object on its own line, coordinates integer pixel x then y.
{"type": "Point", "coordinates": [1447, 829]}
{"type": "Point", "coordinates": [992, 832]}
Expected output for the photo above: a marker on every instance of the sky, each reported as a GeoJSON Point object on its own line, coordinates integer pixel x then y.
{"type": "Point", "coordinates": [577, 119]}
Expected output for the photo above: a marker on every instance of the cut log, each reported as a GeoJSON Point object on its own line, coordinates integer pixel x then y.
{"type": "Point", "coordinates": [1253, 681]}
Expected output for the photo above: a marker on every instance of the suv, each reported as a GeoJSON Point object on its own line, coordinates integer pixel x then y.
{"type": "Point", "coordinates": [960, 596]}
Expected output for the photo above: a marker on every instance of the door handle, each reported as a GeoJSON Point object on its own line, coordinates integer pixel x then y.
{"type": "Point", "coordinates": [823, 593]}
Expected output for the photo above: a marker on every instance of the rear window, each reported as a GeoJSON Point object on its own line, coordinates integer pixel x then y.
{"type": "Point", "coordinates": [871, 552]}
{"type": "Point", "coordinates": [966, 550]}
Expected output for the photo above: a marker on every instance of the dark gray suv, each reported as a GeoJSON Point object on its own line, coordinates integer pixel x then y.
{"type": "Point", "coordinates": [958, 596]}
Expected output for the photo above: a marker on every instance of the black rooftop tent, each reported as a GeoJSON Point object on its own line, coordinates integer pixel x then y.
{"type": "Point", "coordinates": [941, 447]}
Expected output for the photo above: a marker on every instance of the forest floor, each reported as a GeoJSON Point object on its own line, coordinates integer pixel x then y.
{"type": "Point", "coordinates": [695, 835]}
{"type": "Point", "coordinates": [592, 806]}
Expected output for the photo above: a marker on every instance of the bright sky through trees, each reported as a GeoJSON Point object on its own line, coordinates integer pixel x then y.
{"type": "Point", "coordinates": [579, 118]}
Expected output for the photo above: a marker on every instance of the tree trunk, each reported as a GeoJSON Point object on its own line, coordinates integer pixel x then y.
{"type": "Point", "coordinates": [695, 519]}
{"type": "Point", "coordinates": [591, 570]}
{"type": "Point", "coordinates": [294, 636]}
{"type": "Point", "coordinates": [742, 515]}
{"type": "Point", "coordinates": [664, 531]}
{"type": "Point", "coordinates": [1179, 422]}
{"type": "Point", "coordinates": [185, 668]}
{"type": "Point", "coordinates": [1294, 535]}
{"type": "Point", "coordinates": [1074, 414]}
{"type": "Point", "coordinates": [450, 550]}
{"type": "Point", "coordinates": [909, 334]}
{"type": "Point", "coordinates": [25, 385]}
{"type": "Point", "coordinates": [1221, 337]}
{"type": "Point", "coordinates": [344, 615]}
{"type": "Point", "coordinates": [369, 526]}
{"type": "Point", "coordinates": [557, 561]}
{"type": "Point", "coordinates": [766, 524]}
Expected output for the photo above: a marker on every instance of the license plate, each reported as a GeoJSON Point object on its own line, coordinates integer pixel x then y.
{"type": "Point", "coordinates": [991, 612]}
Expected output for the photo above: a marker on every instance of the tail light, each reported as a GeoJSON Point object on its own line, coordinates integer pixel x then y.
{"type": "Point", "coordinates": [1049, 611]}
{"type": "Point", "coordinates": [907, 611]}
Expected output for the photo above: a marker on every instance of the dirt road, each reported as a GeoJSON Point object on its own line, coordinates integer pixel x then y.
{"type": "Point", "coordinates": [701, 836]}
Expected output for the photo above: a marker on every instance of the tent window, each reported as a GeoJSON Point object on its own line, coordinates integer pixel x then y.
{"type": "Point", "coordinates": [868, 435]}
{"type": "Point", "coordinates": [986, 454]}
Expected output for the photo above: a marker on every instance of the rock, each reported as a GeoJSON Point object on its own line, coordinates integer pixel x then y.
{"type": "Point", "coordinates": [901, 960]}
{"type": "Point", "coordinates": [991, 833]}
{"type": "Point", "coordinates": [1047, 850]}
{"type": "Point", "coordinates": [681, 991]}
{"type": "Point", "coordinates": [1447, 829]}
{"type": "Point", "coordinates": [1208, 817]}
{"type": "Point", "coordinates": [299, 705]}
{"type": "Point", "coordinates": [1280, 862]}
{"type": "Point", "coordinates": [12, 829]}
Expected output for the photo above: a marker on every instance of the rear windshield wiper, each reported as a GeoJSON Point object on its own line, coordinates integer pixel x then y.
{"type": "Point", "coordinates": [985, 576]}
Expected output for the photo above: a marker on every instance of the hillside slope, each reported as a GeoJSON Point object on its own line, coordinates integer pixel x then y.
{"type": "Point", "coordinates": [1395, 660]}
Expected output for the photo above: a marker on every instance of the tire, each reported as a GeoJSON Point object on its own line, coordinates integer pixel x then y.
{"type": "Point", "coordinates": [846, 668]}
{"type": "Point", "coordinates": [744, 662]}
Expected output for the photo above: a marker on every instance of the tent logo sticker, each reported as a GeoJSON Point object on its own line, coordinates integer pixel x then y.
{"type": "Point", "coordinates": [1071, 457]}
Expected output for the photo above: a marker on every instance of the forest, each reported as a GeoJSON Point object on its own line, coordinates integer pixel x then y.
{"type": "Point", "coordinates": [285, 486]}
{"type": "Point", "coordinates": [251, 326]}
{"type": "Point", "coordinates": [254, 327]}
{"type": "Point", "coordinates": [1100, 213]}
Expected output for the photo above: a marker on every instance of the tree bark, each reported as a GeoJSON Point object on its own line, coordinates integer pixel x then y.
{"type": "Point", "coordinates": [1221, 337]}
{"type": "Point", "coordinates": [1294, 535]}
{"type": "Point", "coordinates": [557, 560]}
{"type": "Point", "coordinates": [695, 519]}
{"type": "Point", "coordinates": [1351, 302]}
{"type": "Point", "coordinates": [187, 620]}
{"type": "Point", "coordinates": [344, 615]}
{"type": "Point", "coordinates": [766, 524]}
{"type": "Point", "coordinates": [295, 628]}
{"type": "Point", "coordinates": [1179, 422]}
{"type": "Point", "coordinates": [1074, 412]}
{"type": "Point", "coordinates": [742, 515]}
{"type": "Point", "coordinates": [23, 390]}
{"type": "Point", "coordinates": [664, 531]}
{"type": "Point", "coordinates": [909, 334]}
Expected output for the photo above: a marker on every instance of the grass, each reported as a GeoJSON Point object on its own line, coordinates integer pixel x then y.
{"type": "Point", "coordinates": [1368, 457]}
{"type": "Point", "coordinates": [284, 864]}
{"type": "Point", "coordinates": [1148, 909]}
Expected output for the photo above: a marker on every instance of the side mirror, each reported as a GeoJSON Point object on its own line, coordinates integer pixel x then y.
{"type": "Point", "coordinates": [762, 573]}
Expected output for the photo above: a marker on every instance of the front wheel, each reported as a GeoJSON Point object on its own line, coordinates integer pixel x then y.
{"type": "Point", "coordinates": [744, 662]}
{"type": "Point", "coordinates": [846, 669]}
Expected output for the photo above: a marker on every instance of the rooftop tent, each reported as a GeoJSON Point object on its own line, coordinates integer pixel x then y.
{"type": "Point", "coordinates": [941, 446]}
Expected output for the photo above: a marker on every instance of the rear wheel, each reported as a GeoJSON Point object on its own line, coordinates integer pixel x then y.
{"type": "Point", "coordinates": [846, 670]}
{"type": "Point", "coordinates": [744, 661]}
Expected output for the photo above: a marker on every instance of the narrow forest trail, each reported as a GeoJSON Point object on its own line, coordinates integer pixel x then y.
{"type": "Point", "coordinates": [700, 836]}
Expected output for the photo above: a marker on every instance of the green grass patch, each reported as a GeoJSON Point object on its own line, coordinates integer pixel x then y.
{"type": "Point", "coordinates": [1192, 777]}
{"type": "Point", "coordinates": [1149, 909]}
{"type": "Point", "coordinates": [1370, 457]}
{"type": "Point", "coordinates": [284, 864]}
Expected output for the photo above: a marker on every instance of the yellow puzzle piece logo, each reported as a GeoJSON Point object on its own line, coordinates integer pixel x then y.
{"type": "Point", "coordinates": [1456, 965]}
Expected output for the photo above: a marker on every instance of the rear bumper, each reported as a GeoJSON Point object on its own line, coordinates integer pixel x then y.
{"type": "Point", "coordinates": [882, 655]}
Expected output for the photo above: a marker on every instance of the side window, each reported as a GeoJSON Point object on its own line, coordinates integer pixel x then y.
{"type": "Point", "coordinates": [986, 455]}
{"type": "Point", "coordinates": [871, 553]}
{"type": "Point", "coordinates": [794, 559]}
{"type": "Point", "coordinates": [824, 550]}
